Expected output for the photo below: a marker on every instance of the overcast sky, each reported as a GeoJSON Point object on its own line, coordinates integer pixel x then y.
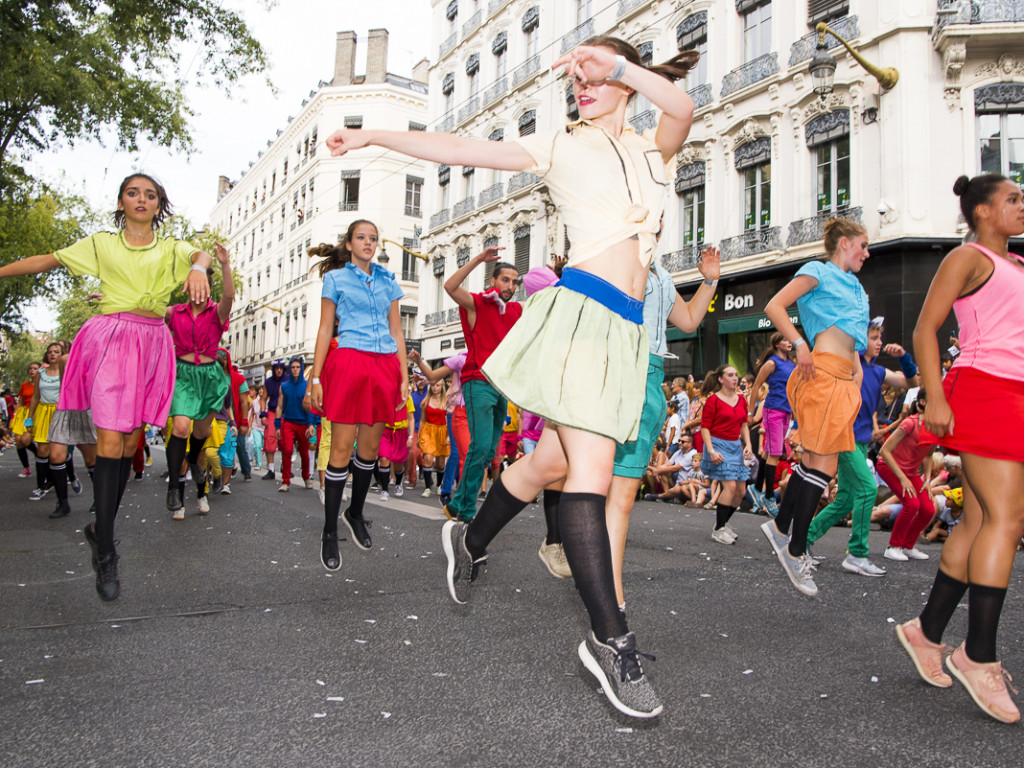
{"type": "Point", "coordinates": [299, 38]}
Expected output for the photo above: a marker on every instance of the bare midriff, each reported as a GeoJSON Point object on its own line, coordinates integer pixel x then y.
{"type": "Point", "coordinates": [619, 265]}
{"type": "Point", "coordinates": [192, 359]}
{"type": "Point", "coordinates": [142, 313]}
{"type": "Point", "coordinates": [834, 341]}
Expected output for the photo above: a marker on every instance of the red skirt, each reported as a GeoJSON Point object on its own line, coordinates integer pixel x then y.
{"type": "Point", "coordinates": [360, 387]}
{"type": "Point", "coordinates": [988, 414]}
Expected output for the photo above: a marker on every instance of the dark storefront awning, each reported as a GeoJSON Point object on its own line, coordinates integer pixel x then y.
{"type": "Point", "coordinates": [750, 323]}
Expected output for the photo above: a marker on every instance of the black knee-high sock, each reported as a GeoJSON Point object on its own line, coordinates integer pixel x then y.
{"type": "Point", "coordinates": [195, 447]}
{"type": "Point", "coordinates": [362, 474]}
{"type": "Point", "coordinates": [106, 481]}
{"type": "Point", "coordinates": [813, 485]}
{"type": "Point", "coordinates": [383, 477]}
{"type": "Point", "coordinates": [788, 506]}
{"type": "Point", "coordinates": [581, 520]}
{"type": "Point", "coordinates": [42, 471]}
{"type": "Point", "coordinates": [176, 449]}
{"type": "Point", "coordinates": [145, 448]}
{"type": "Point", "coordinates": [498, 509]}
{"type": "Point", "coordinates": [334, 488]}
{"type": "Point", "coordinates": [23, 457]}
{"type": "Point", "coordinates": [181, 490]}
{"type": "Point", "coordinates": [428, 478]}
{"type": "Point", "coordinates": [72, 475]}
{"type": "Point", "coordinates": [32, 448]}
{"type": "Point", "coordinates": [551, 499]}
{"type": "Point", "coordinates": [769, 482]}
{"type": "Point", "coordinates": [722, 515]}
{"type": "Point", "coordinates": [761, 473]}
{"type": "Point", "coordinates": [984, 604]}
{"type": "Point", "coordinates": [945, 596]}
{"type": "Point", "coordinates": [126, 472]}
{"type": "Point", "coordinates": [399, 474]}
{"type": "Point", "coordinates": [59, 478]}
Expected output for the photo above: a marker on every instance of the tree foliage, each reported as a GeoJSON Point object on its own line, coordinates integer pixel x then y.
{"type": "Point", "coordinates": [75, 306]}
{"type": "Point", "coordinates": [72, 68]}
{"type": "Point", "coordinates": [22, 349]}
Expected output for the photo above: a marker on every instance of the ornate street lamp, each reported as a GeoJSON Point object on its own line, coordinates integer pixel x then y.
{"type": "Point", "coordinates": [823, 65]}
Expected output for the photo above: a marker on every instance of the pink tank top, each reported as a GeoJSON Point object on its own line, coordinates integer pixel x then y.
{"type": "Point", "coordinates": [196, 335]}
{"type": "Point", "coordinates": [991, 331]}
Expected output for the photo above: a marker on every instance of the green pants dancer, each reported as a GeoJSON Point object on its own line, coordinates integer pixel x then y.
{"type": "Point", "coordinates": [485, 412]}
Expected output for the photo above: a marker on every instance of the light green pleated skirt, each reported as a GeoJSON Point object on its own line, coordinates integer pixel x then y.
{"type": "Point", "coordinates": [574, 362]}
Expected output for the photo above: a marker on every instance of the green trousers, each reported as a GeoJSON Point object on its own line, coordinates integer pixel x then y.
{"type": "Point", "coordinates": [485, 412]}
{"type": "Point", "coordinates": [856, 494]}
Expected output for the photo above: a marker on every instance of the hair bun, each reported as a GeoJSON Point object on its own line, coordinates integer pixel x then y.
{"type": "Point", "coordinates": [960, 185]}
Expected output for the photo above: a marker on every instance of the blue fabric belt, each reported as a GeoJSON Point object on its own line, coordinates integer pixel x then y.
{"type": "Point", "coordinates": [603, 292]}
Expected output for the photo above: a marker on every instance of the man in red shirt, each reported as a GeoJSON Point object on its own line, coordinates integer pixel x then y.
{"type": "Point", "coordinates": [486, 318]}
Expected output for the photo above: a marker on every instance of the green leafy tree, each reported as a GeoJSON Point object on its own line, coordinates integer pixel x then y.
{"type": "Point", "coordinates": [204, 240]}
{"type": "Point", "coordinates": [76, 305]}
{"type": "Point", "coordinates": [74, 68]}
{"type": "Point", "coordinates": [22, 349]}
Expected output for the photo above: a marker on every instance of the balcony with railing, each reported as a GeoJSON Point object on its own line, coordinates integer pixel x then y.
{"type": "Point", "coordinates": [453, 315]}
{"type": "Point", "coordinates": [752, 72]}
{"type": "Point", "coordinates": [702, 95]}
{"type": "Point", "coordinates": [625, 6]}
{"type": "Point", "coordinates": [447, 123]}
{"type": "Point", "coordinates": [684, 259]}
{"type": "Point", "coordinates": [952, 12]}
{"type": "Point", "coordinates": [752, 242]}
{"type": "Point", "coordinates": [496, 5]}
{"type": "Point", "coordinates": [463, 207]}
{"type": "Point", "coordinates": [526, 71]}
{"type": "Point", "coordinates": [583, 32]}
{"type": "Point", "coordinates": [434, 318]}
{"type": "Point", "coordinates": [803, 49]}
{"type": "Point", "coordinates": [471, 108]}
{"type": "Point", "coordinates": [474, 21]}
{"type": "Point", "coordinates": [440, 218]}
{"type": "Point", "coordinates": [522, 180]}
{"type": "Point", "coordinates": [813, 229]}
{"type": "Point", "coordinates": [492, 194]}
{"type": "Point", "coordinates": [644, 121]}
{"type": "Point", "coordinates": [496, 91]}
{"type": "Point", "coordinates": [449, 43]}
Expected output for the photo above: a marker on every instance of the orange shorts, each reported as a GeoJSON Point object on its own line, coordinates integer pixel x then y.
{"type": "Point", "coordinates": [825, 407]}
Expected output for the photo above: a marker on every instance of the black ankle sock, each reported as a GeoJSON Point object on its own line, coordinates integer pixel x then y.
{"type": "Point", "coordinates": [176, 449]}
{"type": "Point", "coordinates": [59, 478]}
{"type": "Point", "coordinates": [498, 509]}
{"type": "Point", "coordinates": [945, 596]}
{"type": "Point", "coordinates": [42, 470]}
{"type": "Point", "coordinates": [145, 448]}
{"type": "Point", "coordinates": [984, 604]}
{"type": "Point", "coordinates": [334, 488]}
{"type": "Point", "coordinates": [722, 514]}
{"type": "Point", "coordinates": [551, 499]}
{"type": "Point", "coordinates": [23, 457]}
{"type": "Point", "coordinates": [362, 474]}
{"type": "Point", "coordinates": [106, 481]}
{"type": "Point", "coordinates": [581, 519]}
{"type": "Point", "coordinates": [809, 493]}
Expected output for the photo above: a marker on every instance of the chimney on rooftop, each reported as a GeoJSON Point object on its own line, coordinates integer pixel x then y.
{"type": "Point", "coordinates": [223, 186]}
{"type": "Point", "coordinates": [377, 56]}
{"type": "Point", "coordinates": [421, 72]}
{"type": "Point", "coordinates": [345, 58]}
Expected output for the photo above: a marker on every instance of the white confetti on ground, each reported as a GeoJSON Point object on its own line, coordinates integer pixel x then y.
{"type": "Point", "coordinates": [369, 621]}
{"type": "Point", "coordinates": [320, 682]}
{"type": "Point", "coordinates": [824, 695]}
{"type": "Point", "coordinates": [361, 642]}
{"type": "Point", "coordinates": [318, 715]}
{"type": "Point", "coordinates": [335, 698]}
{"type": "Point", "coordinates": [748, 671]}
{"type": "Point", "coordinates": [412, 618]}
{"type": "Point", "coordinates": [70, 573]}
{"type": "Point", "coordinates": [386, 715]}
{"type": "Point", "coordinates": [33, 682]}
{"type": "Point", "coordinates": [874, 679]}
{"type": "Point", "coordinates": [891, 620]}
{"type": "Point", "coordinates": [406, 642]}
{"type": "Point", "coordinates": [623, 730]}
{"type": "Point", "coordinates": [705, 695]}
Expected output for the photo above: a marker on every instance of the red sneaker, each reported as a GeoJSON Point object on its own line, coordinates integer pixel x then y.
{"type": "Point", "coordinates": [26, 472]}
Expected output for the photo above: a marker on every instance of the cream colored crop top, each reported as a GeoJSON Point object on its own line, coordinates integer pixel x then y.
{"type": "Point", "coordinates": [607, 189]}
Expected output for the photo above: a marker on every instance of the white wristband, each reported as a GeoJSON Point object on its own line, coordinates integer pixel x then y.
{"type": "Point", "coordinates": [315, 380]}
{"type": "Point", "coordinates": [798, 342]}
{"type": "Point", "coordinates": [712, 283]}
{"type": "Point", "coordinates": [197, 268]}
{"type": "Point", "coordinates": [619, 69]}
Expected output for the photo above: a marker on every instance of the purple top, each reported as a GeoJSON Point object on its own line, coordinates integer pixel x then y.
{"type": "Point", "coordinates": [455, 362]}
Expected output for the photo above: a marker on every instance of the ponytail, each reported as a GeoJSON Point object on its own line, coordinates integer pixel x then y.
{"type": "Point", "coordinates": [773, 348]}
{"type": "Point", "coordinates": [674, 69]}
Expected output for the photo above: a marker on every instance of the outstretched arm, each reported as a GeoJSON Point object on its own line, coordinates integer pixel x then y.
{"type": "Point", "coordinates": [453, 285]}
{"type": "Point", "coordinates": [687, 315]}
{"type": "Point", "coordinates": [430, 374]}
{"type": "Point", "coordinates": [444, 148]}
{"type": "Point", "coordinates": [33, 265]}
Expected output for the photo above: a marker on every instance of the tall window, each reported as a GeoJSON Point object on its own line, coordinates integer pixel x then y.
{"type": "Point", "coordinates": [521, 238]}
{"type": "Point", "coordinates": [448, 93]}
{"type": "Point", "coordinates": [500, 63]}
{"type": "Point", "coordinates": [757, 196]}
{"type": "Point", "coordinates": [532, 41]}
{"type": "Point", "coordinates": [833, 174]}
{"type": "Point", "coordinates": [757, 28]}
{"type": "Point", "coordinates": [583, 11]}
{"type": "Point", "coordinates": [413, 195]}
{"type": "Point", "coordinates": [410, 264]}
{"type": "Point", "coordinates": [528, 123]}
{"type": "Point", "coordinates": [474, 83]}
{"type": "Point", "coordinates": [445, 192]}
{"type": "Point", "coordinates": [467, 182]}
{"type": "Point", "coordinates": [692, 35]}
{"type": "Point", "coordinates": [641, 103]}
{"type": "Point", "coordinates": [691, 215]}
{"type": "Point", "coordinates": [826, 10]}
{"type": "Point", "coordinates": [349, 190]}
{"type": "Point", "coordinates": [1001, 138]}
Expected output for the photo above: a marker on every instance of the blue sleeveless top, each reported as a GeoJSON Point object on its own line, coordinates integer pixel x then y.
{"type": "Point", "coordinates": [777, 380]}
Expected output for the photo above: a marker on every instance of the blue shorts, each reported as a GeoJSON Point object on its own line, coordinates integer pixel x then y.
{"type": "Point", "coordinates": [632, 459]}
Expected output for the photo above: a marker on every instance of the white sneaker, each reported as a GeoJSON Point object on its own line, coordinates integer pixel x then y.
{"type": "Point", "coordinates": [384, 496]}
{"type": "Point", "coordinates": [204, 506]}
{"type": "Point", "coordinates": [179, 514]}
{"type": "Point", "coordinates": [322, 499]}
{"type": "Point", "coordinates": [426, 494]}
{"type": "Point", "coordinates": [862, 566]}
{"type": "Point", "coordinates": [895, 553]}
{"type": "Point", "coordinates": [226, 489]}
{"type": "Point", "coordinates": [915, 554]}
{"type": "Point", "coordinates": [728, 528]}
{"type": "Point", "coordinates": [399, 491]}
{"type": "Point", "coordinates": [283, 488]}
{"type": "Point", "coordinates": [346, 495]}
{"type": "Point", "coordinates": [309, 483]}
{"type": "Point", "coordinates": [721, 535]}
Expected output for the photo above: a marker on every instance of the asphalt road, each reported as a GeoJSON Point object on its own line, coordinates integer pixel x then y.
{"type": "Point", "coordinates": [232, 646]}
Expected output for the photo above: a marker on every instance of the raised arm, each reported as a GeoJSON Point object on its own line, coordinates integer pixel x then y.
{"type": "Point", "coordinates": [33, 265]}
{"type": "Point", "coordinates": [687, 315]}
{"type": "Point", "coordinates": [228, 296]}
{"type": "Point", "coordinates": [453, 285]}
{"type": "Point", "coordinates": [444, 148]}
{"type": "Point", "coordinates": [430, 374]}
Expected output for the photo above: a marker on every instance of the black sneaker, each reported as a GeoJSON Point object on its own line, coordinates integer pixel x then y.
{"type": "Point", "coordinates": [138, 476]}
{"type": "Point", "coordinates": [107, 584]}
{"type": "Point", "coordinates": [94, 545]}
{"type": "Point", "coordinates": [269, 475]}
{"type": "Point", "coordinates": [173, 500]}
{"type": "Point", "coordinates": [357, 527]}
{"type": "Point", "coordinates": [329, 554]}
{"type": "Point", "coordinates": [216, 484]}
{"type": "Point", "coordinates": [63, 510]}
{"type": "Point", "coordinates": [92, 508]}
{"type": "Point", "coordinates": [616, 665]}
{"type": "Point", "coordinates": [462, 568]}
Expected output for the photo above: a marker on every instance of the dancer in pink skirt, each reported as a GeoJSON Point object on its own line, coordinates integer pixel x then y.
{"type": "Point", "coordinates": [139, 271]}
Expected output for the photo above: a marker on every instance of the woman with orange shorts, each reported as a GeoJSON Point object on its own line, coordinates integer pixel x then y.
{"type": "Point", "coordinates": [824, 390]}
{"type": "Point", "coordinates": [434, 447]}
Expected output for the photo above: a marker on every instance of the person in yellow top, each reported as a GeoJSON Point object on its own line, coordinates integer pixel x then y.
{"type": "Point", "coordinates": [120, 373]}
{"type": "Point", "coordinates": [394, 449]}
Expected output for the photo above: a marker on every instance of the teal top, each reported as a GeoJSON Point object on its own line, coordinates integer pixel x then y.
{"type": "Point", "coordinates": [49, 388]}
{"type": "Point", "coordinates": [839, 299]}
{"type": "Point", "coordinates": [659, 298]}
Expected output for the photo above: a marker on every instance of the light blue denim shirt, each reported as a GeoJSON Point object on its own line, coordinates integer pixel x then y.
{"type": "Point", "coordinates": [839, 300]}
{"type": "Point", "coordinates": [363, 302]}
{"type": "Point", "coordinates": [659, 298]}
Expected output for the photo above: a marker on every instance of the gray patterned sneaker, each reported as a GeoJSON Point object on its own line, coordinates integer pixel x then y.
{"type": "Point", "coordinates": [799, 569]}
{"type": "Point", "coordinates": [862, 566]}
{"type": "Point", "coordinates": [462, 569]}
{"type": "Point", "coordinates": [616, 666]}
{"type": "Point", "coordinates": [775, 538]}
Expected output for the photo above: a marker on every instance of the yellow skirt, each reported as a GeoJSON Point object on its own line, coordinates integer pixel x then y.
{"type": "Point", "coordinates": [41, 422]}
{"type": "Point", "coordinates": [434, 439]}
{"type": "Point", "coordinates": [18, 422]}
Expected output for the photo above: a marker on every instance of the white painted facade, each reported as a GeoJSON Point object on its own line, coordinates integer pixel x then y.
{"type": "Point", "coordinates": [294, 195]}
{"type": "Point", "coordinates": [755, 107]}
